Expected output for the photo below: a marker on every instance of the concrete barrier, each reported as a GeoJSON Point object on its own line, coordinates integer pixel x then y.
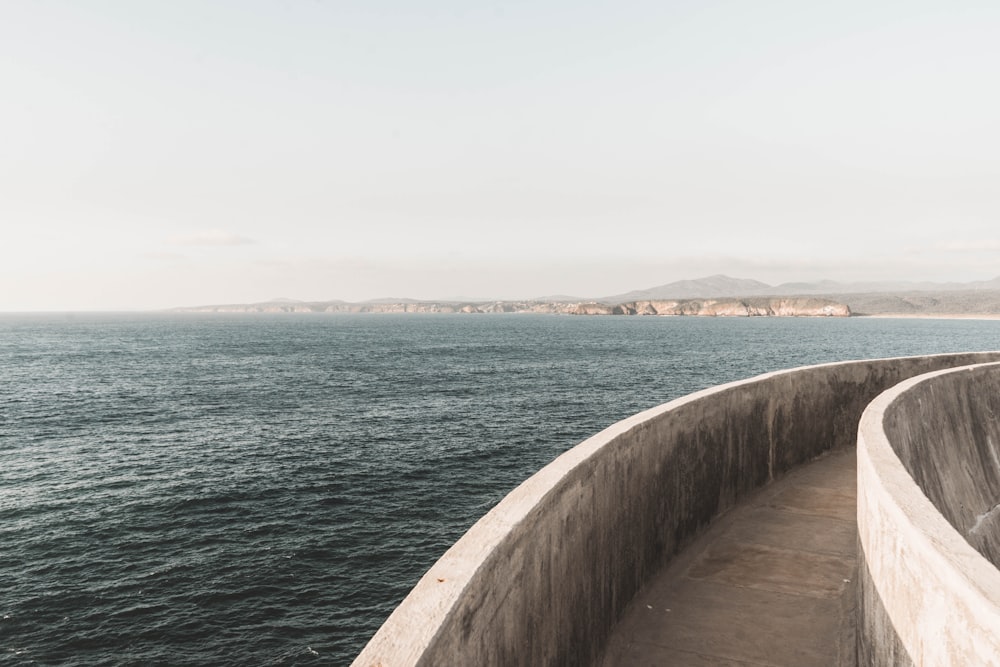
{"type": "Point", "coordinates": [544, 576]}
{"type": "Point", "coordinates": [928, 524]}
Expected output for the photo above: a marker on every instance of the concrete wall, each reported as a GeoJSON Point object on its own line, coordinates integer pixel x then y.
{"type": "Point", "coordinates": [544, 576]}
{"type": "Point", "coordinates": [928, 492]}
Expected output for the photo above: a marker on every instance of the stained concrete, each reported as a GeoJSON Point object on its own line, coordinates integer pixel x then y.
{"type": "Point", "coordinates": [946, 432]}
{"type": "Point", "coordinates": [770, 583]}
{"type": "Point", "coordinates": [927, 479]}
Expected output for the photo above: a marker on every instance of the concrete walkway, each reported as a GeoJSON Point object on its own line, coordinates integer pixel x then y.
{"type": "Point", "coordinates": [770, 583]}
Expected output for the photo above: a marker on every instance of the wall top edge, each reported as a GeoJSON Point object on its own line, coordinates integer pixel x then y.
{"type": "Point", "coordinates": [969, 571]}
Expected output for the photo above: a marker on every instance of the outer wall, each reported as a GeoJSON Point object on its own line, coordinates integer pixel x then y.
{"type": "Point", "coordinates": [927, 475]}
{"type": "Point", "coordinates": [543, 577]}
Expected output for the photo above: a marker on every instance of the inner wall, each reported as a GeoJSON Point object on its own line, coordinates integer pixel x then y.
{"type": "Point", "coordinates": [946, 432]}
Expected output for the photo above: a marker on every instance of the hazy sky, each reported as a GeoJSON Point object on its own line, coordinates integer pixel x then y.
{"type": "Point", "coordinates": [187, 152]}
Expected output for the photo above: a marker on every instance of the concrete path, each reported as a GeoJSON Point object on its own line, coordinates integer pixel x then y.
{"type": "Point", "coordinates": [770, 583]}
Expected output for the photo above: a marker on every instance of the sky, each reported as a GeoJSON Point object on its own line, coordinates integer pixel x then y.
{"type": "Point", "coordinates": [158, 154]}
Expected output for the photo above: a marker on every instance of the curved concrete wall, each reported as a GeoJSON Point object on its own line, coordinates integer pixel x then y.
{"type": "Point", "coordinates": [928, 493]}
{"type": "Point", "coordinates": [545, 575]}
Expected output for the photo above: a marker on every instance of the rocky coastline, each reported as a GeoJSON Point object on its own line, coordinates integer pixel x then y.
{"type": "Point", "coordinates": [712, 296]}
{"type": "Point", "coordinates": [723, 307]}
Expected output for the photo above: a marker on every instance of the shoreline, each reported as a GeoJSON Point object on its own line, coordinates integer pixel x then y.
{"type": "Point", "coordinates": [933, 316]}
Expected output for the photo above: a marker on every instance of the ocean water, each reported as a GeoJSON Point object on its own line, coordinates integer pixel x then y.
{"type": "Point", "coordinates": [250, 489]}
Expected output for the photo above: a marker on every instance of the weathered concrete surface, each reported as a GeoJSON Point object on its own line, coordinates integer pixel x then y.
{"type": "Point", "coordinates": [544, 577]}
{"type": "Point", "coordinates": [946, 432]}
{"type": "Point", "coordinates": [770, 583]}
{"type": "Point", "coordinates": [927, 466]}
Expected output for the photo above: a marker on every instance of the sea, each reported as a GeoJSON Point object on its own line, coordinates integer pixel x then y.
{"type": "Point", "coordinates": [203, 489]}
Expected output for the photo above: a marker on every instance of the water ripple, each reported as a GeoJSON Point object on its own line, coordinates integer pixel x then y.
{"type": "Point", "coordinates": [264, 490]}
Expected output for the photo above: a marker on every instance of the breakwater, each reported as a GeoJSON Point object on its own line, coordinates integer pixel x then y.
{"type": "Point", "coordinates": [543, 577]}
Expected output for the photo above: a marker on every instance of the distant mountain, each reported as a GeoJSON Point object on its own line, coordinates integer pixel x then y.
{"type": "Point", "coordinates": [560, 298]}
{"type": "Point", "coordinates": [713, 295]}
{"type": "Point", "coordinates": [720, 285]}
{"type": "Point", "coordinates": [392, 299]}
{"type": "Point", "coordinates": [833, 287]}
{"type": "Point", "coordinates": [955, 302]}
{"type": "Point", "coordinates": [702, 288]}
{"type": "Point", "coordinates": [985, 284]}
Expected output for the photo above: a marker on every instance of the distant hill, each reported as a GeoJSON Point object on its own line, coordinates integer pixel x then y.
{"type": "Point", "coordinates": [702, 288]}
{"type": "Point", "coordinates": [985, 302]}
{"type": "Point", "coordinates": [832, 287]}
{"type": "Point", "coordinates": [719, 285]}
{"type": "Point", "coordinates": [561, 298]}
{"type": "Point", "coordinates": [713, 295]}
{"type": "Point", "coordinates": [392, 299]}
{"type": "Point", "coordinates": [926, 298]}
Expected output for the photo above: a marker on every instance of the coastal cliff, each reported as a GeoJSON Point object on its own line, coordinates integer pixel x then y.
{"type": "Point", "coordinates": [755, 307]}
{"type": "Point", "coordinates": [751, 307]}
